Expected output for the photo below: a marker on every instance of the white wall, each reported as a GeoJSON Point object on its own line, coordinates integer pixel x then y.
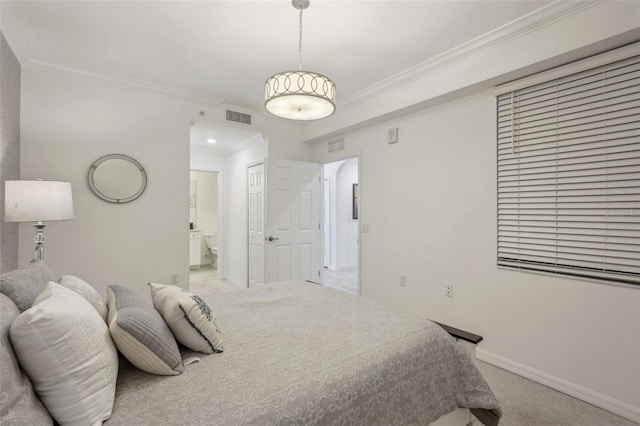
{"type": "Point", "coordinates": [346, 227]}
{"type": "Point", "coordinates": [430, 202]}
{"type": "Point", "coordinates": [69, 119]}
{"type": "Point", "coordinates": [68, 123]}
{"type": "Point", "coordinates": [206, 160]}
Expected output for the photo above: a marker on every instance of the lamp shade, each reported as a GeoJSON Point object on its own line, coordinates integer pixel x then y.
{"type": "Point", "coordinates": [37, 201]}
{"type": "Point", "coordinates": [300, 95]}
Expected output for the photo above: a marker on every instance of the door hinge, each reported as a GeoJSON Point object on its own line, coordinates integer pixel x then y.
{"type": "Point", "coordinates": [318, 274]}
{"type": "Point", "coordinates": [318, 226]}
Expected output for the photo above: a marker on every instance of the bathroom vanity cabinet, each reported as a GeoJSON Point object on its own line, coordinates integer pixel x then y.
{"type": "Point", "coordinates": [195, 241]}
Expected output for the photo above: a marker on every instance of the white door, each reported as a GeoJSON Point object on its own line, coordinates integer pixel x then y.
{"type": "Point", "coordinates": [255, 181]}
{"type": "Point", "coordinates": [292, 245]}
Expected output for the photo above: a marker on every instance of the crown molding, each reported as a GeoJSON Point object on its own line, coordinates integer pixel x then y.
{"type": "Point", "coordinates": [526, 24]}
{"type": "Point", "coordinates": [14, 34]}
{"type": "Point", "coordinates": [122, 80]}
{"type": "Point", "coordinates": [531, 22]}
{"type": "Point", "coordinates": [11, 29]}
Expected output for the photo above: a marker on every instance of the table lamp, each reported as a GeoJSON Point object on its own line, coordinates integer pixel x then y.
{"type": "Point", "coordinates": [37, 201]}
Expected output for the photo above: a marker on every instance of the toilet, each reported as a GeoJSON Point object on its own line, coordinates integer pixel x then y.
{"type": "Point", "coordinates": [211, 240]}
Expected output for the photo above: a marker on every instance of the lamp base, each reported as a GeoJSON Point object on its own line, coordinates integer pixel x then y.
{"type": "Point", "coordinates": [38, 252]}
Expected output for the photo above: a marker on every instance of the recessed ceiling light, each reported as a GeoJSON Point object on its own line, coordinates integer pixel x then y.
{"type": "Point", "coordinates": [211, 141]}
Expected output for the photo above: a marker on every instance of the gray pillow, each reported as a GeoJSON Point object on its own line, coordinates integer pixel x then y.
{"type": "Point", "coordinates": [85, 290]}
{"type": "Point", "coordinates": [23, 285]}
{"type": "Point", "coordinates": [140, 333]}
{"type": "Point", "coordinates": [19, 404]}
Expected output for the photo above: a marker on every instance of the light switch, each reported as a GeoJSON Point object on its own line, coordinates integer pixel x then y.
{"type": "Point", "coordinates": [392, 135]}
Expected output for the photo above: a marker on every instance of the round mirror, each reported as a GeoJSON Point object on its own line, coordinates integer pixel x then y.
{"type": "Point", "coordinates": [117, 178]}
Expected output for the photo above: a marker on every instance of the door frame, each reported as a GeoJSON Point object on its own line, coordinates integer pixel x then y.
{"type": "Point", "coordinates": [222, 247]}
{"type": "Point", "coordinates": [221, 240]}
{"type": "Point", "coordinates": [326, 236]}
{"type": "Point", "coordinates": [357, 156]}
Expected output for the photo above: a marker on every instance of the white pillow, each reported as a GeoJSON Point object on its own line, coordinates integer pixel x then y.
{"type": "Point", "coordinates": [188, 316]}
{"type": "Point", "coordinates": [19, 404]}
{"type": "Point", "coordinates": [64, 346]}
{"type": "Point", "coordinates": [85, 290]}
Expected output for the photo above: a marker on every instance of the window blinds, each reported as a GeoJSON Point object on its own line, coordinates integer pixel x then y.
{"type": "Point", "coordinates": [569, 174]}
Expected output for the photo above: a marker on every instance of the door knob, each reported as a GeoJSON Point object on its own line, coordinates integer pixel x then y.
{"type": "Point", "coordinates": [271, 238]}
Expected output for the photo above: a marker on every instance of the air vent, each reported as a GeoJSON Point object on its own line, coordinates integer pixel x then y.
{"type": "Point", "coordinates": [335, 144]}
{"type": "Point", "coordinates": [238, 117]}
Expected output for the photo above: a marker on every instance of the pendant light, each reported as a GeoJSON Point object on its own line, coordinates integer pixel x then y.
{"type": "Point", "coordinates": [300, 95]}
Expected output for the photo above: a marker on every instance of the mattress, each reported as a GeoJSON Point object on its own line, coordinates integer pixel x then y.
{"type": "Point", "coordinates": [297, 353]}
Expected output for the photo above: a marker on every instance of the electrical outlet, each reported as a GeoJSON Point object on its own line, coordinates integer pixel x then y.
{"type": "Point", "coordinates": [174, 278]}
{"type": "Point", "coordinates": [449, 290]}
{"type": "Point", "coordinates": [403, 280]}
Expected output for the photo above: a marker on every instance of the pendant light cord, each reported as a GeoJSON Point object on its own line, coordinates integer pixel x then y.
{"type": "Point", "coordinates": [300, 42]}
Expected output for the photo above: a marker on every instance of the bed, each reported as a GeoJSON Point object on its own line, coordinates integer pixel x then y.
{"type": "Point", "coordinates": [297, 353]}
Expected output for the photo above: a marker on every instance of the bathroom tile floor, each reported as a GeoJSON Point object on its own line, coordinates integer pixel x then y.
{"type": "Point", "coordinates": [344, 279]}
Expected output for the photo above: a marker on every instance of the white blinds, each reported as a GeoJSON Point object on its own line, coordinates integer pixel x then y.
{"type": "Point", "coordinates": [569, 174]}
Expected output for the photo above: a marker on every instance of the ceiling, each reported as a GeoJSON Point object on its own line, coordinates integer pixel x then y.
{"type": "Point", "coordinates": [223, 51]}
{"type": "Point", "coordinates": [229, 139]}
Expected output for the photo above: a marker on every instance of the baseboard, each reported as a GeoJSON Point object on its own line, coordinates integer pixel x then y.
{"type": "Point", "coordinates": [235, 282]}
{"type": "Point", "coordinates": [347, 266]}
{"type": "Point", "coordinates": [605, 402]}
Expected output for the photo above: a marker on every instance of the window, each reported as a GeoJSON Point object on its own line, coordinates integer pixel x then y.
{"type": "Point", "coordinates": [569, 174]}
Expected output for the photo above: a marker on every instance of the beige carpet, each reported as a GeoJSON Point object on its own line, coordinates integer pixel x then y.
{"type": "Point", "coordinates": [204, 282]}
{"type": "Point", "coordinates": [527, 403]}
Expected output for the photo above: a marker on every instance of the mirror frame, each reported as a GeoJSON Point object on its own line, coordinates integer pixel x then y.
{"type": "Point", "coordinates": [106, 197]}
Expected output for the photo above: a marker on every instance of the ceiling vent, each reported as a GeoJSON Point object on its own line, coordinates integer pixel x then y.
{"type": "Point", "coordinates": [238, 117]}
{"type": "Point", "coordinates": [335, 144]}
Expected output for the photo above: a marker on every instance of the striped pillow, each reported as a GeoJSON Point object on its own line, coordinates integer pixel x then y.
{"type": "Point", "coordinates": [140, 333]}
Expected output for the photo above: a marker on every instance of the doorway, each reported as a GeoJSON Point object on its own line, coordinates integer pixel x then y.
{"type": "Point", "coordinates": [204, 227]}
{"type": "Point", "coordinates": [340, 225]}
{"type": "Point", "coordinates": [222, 150]}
